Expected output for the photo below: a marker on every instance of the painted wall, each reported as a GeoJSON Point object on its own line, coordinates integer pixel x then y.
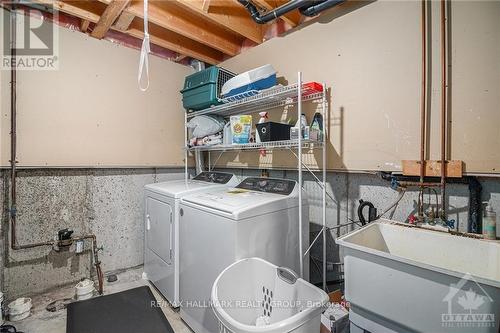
{"type": "Point", "coordinates": [370, 58]}
{"type": "Point", "coordinates": [91, 112]}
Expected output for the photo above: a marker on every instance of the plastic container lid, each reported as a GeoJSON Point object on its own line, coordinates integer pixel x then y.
{"type": "Point", "coordinates": [84, 287]}
{"type": "Point", "coordinates": [19, 306]}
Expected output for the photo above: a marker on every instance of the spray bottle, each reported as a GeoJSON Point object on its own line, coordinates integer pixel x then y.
{"type": "Point", "coordinates": [263, 118]}
{"type": "Point", "coordinates": [489, 222]}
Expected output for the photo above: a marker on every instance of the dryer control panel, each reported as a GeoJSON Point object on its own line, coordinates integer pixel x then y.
{"type": "Point", "coordinates": [269, 185]}
{"type": "Point", "coordinates": [214, 177]}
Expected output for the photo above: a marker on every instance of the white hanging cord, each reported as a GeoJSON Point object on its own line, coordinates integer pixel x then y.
{"type": "Point", "coordinates": [145, 49]}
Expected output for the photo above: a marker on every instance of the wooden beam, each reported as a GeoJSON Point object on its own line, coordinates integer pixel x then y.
{"type": "Point", "coordinates": [84, 25]}
{"type": "Point", "coordinates": [169, 16]}
{"type": "Point", "coordinates": [124, 21]}
{"type": "Point", "coordinates": [91, 10]}
{"type": "Point", "coordinates": [292, 18]}
{"type": "Point", "coordinates": [228, 14]}
{"type": "Point", "coordinates": [86, 10]}
{"type": "Point", "coordinates": [112, 12]}
{"type": "Point", "coordinates": [180, 57]}
{"type": "Point", "coordinates": [176, 42]}
{"type": "Point", "coordinates": [206, 6]}
{"type": "Point", "coordinates": [454, 169]}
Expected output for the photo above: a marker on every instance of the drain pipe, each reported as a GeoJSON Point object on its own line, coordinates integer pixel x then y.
{"type": "Point", "coordinates": [315, 9]}
{"type": "Point", "coordinates": [275, 13]}
{"type": "Point", "coordinates": [13, 166]}
{"type": "Point", "coordinates": [306, 7]}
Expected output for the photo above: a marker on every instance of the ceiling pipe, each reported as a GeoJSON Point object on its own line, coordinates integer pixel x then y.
{"type": "Point", "coordinates": [261, 18]}
{"type": "Point", "coordinates": [319, 6]}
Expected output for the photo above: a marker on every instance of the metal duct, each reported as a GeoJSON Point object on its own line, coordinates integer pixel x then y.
{"type": "Point", "coordinates": [318, 7]}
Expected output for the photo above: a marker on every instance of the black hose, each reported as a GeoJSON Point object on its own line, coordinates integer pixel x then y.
{"type": "Point", "coordinates": [372, 212]}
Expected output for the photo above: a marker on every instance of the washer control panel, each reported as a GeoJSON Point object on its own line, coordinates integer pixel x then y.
{"type": "Point", "coordinates": [269, 185]}
{"type": "Point", "coordinates": [214, 177]}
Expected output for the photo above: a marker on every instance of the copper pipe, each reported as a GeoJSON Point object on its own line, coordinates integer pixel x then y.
{"type": "Point", "coordinates": [443, 108]}
{"type": "Point", "coordinates": [423, 120]}
{"type": "Point", "coordinates": [418, 184]}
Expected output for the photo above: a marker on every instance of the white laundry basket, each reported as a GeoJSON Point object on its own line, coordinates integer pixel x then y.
{"type": "Point", "coordinates": [253, 295]}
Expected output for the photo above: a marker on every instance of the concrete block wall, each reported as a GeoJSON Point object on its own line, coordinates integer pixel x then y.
{"type": "Point", "coordinates": [106, 202]}
{"type": "Point", "coordinates": [109, 203]}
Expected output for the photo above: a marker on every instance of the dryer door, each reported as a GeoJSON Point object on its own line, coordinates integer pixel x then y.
{"type": "Point", "coordinates": [160, 228]}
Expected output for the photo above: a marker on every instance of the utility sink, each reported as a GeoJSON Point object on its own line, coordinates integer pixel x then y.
{"type": "Point", "coordinates": [399, 278]}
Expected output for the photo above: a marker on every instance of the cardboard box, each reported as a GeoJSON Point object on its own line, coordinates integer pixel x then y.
{"type": "Point", "coordinates": [335, 319]}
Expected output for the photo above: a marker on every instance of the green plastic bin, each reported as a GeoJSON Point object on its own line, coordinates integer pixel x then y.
{"type": "Point", "coordinates": [202, 89]}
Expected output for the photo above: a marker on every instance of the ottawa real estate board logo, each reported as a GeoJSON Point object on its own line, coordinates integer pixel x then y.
{"type": "Point", "coordinates": [33, 35]}
{"type": "Point", "coordinates": [469, 306]}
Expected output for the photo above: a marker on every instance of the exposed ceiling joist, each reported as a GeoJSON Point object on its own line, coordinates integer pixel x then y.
{"type": "Point", "coordinates": [206, 5]}
{"type": "Point", "coordinates": [180, 58]}
{"type": "Point", "coordinates": [84, 25]}
{"type": "Point", "coordinates": [91, 10]}
{"type": "Point", "coordinates": [207, 30]}
{"type": "Point", "coordinates": [112, 12]}
{"type": "Point", "coordinates": [86, 10]}
{"type": "Point", "coordinates": [176, 42]}
{"type": "Point", "coordinates": [124, 21]}
{"type": "Point", "coordinates": [228, 14]}
{"type": "Point", "coordinates": [173, 18]}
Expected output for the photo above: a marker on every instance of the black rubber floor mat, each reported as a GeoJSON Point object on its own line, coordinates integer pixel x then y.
{"type": "Point", "coordinates": [129, 311]}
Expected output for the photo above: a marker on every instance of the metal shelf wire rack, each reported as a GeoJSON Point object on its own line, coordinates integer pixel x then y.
{"type": "Point", "coordinates": [272, 145]}
{"type": "Point", "coordinates": [278, 96]}
{"type": "Point", "coordinates": [267, 99]}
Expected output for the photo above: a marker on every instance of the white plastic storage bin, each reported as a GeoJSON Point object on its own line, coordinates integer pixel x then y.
{"type": "Point", "coordinates": [253, 295]}
{"type": "Point", "coordinates": [260, 78]}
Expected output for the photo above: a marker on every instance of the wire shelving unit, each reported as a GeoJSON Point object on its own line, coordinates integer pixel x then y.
{"type": "Point", "coordinates": [278, 97]}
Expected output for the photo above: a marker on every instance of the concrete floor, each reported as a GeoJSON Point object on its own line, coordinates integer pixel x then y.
{"type": "Point", "coordinates": [43, 321]}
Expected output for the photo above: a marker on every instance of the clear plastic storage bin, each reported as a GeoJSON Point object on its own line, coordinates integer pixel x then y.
{"type": "Point", "coordinates": [253, 295]}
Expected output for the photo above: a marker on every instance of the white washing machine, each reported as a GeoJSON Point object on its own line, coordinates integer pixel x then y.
{"type": "Point", "coordinates": [161, 244]}
{"type": "Point", "coordinates": [258, 218]}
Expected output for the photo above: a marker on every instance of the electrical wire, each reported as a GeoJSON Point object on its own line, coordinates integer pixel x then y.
{"type": "Point", "coordinates": [320, 271]}
{"type": "Point", "coordinates": [328, 262]}
{"type": "Point", "coordinates": [401, 195]}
